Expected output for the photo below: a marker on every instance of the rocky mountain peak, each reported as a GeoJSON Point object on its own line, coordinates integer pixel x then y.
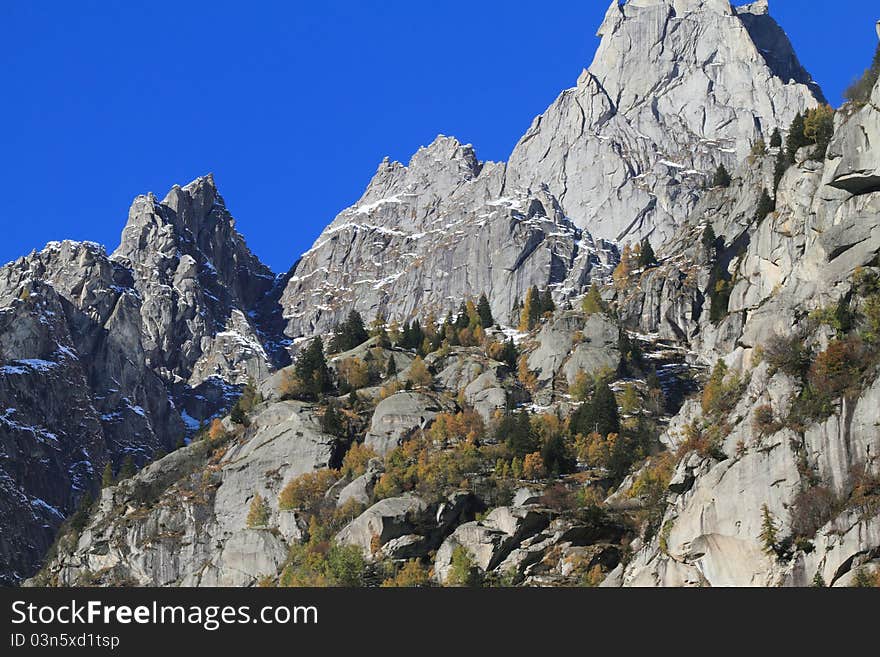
{"type": "Point", "coordinates": [201, 286]}
{"type": "Point", "coordinates": [436, 169]}
{"type": "Point", "coordinates": [676, 88]}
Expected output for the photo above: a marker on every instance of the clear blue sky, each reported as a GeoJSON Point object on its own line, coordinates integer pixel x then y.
{"type": "Point", "coordinates": [291, 104]}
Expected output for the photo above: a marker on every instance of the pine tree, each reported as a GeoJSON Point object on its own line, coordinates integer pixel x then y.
{"type": "Point", "coordinates": [598, 415]}
{"type": "Point", "coordinates": [819, 581]}
{"type": "Point", "coordinates": [775, 138]}
{"type": "Point", "coordinates": [391, 367]}
{"type": "Point", "coordinates": [555, 456]}
{"type": "Point", "coordinates": [646, 255]}
{"type": "Point", "coordinates": [462, 321]}
{"type": "Point", "coordinates": [107, 477]}
{"type": "Point", "coordinates": [721, 178]}
{"type": "Point", "coordinates": [349, 334]}
{"type": "Point", "coordinates": [519, 434]}
{"type": "Point", "coordinates": [769, 533]}
{"type": "Point", "coordinates": [709, 240]}
{"type": "Point", "coordinates": [331, 422]}
{"type": "Point", "coordinates": [311, 369]}
{"type": "Point", "coordinates": [80, 518]}
{"type": "Point", "coordinates": [779, 170]}
{"type": "Point", "coordinates": [510, 354]}
{"type": "Point", "coordinates": [485, 312]}
{"type": "Point", "coordinates": [128, 469]}
{"type": "Point", "coordinates": [796, 138]}
{"type": "Point", "coordinates": [547, 303]}
{"type": "Point", "coordinates": [605, 409]}
{"type": "Point", "coordinates": [766, 205]}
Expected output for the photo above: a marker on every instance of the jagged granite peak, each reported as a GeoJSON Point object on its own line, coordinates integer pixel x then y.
{"type": "Point", "coordinates": [676, 88]}
{"type": "Point", "coordinates": [75, 392]}
{"type": "Point", "coordinates": [426, 236]}
{"type": "Point", "coordinates": [200, 286]}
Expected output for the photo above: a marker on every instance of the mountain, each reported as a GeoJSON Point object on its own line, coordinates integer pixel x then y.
{"type": "Point", "coordinates": [75, 389]}
{"type": "Point", "coordinates": [425, 236]}
{"type": "Point", "coordinates": [675, 89]}
{"type": "Point", "coordinates": [102, 358]}
{"type": "Point", "coordinates": [701, 413]}
{"type": "Point", "coordinates": [206, 315]}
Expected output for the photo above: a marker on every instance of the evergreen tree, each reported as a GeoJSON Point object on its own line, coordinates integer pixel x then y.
{"type": "Point", "coordinates": [769, 533]}
{"type": "Point", "coordinates": [349, 334]}
{"type": "Point", "coordinates": [510, 354]}
{"type": "Point", "coordinates": [517, 431]}
{"type": "Point", "coordinates": [547, 303]}
{"type": "Point", "coordinates": [779, 170]}
{"type": "Point", "coordinates": [311, 369]}
{"type": "Point", "coordinates": [462, 321]}
{"type": "Point", "coordinates": [391, 367]}
{"type": "Point", "coordinates": [485, 312]}
{"type": "Point", "coordinates": [721, 178]}
{"type": "Point", "coordinates": [534, 307]}
{"type": "Point", "coordinates": [796, 138]}
{"type": "Point", "coordinates": [238, 416]}
{"type": "Point", "coordinates": [819, 581]}
{"type": "Point", "coordinates": [128, 469]}
{"type": "Point", "coordinates": [632, 359]}
{"type": "Point", "coordinates": [413, 336]}
{"type": "Point", "coordinates": [556, 457]}
{"type": "Point", "coordinates": [646, 255]}
{"type": "Point", "coordinates": [332, 423]}
{"type": "Point", "coordinates": [766, 205]}
{"type": "Point", "coordinates": [80, 519]}
{"type": "Point", "coordinates": [709, 241]}
{"type": "Point", "coordinates": [107, 477]}
{"type": "Point", "coordinates": [775, 138]}
{"type": "Point", "coordinates": [598, 415]}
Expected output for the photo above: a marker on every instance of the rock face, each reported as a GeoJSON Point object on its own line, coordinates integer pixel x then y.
{"type": "Point", "coordinates": [399, 416]}
{"type": "Point", "coordinates": [857, 169]}
{"type": "Point", "coordinates": [624, 154]}
{"type": "Point", "coordinates": [427, 235]}
{"type": "Point", "coordinates": [100, 356]}
{"type": "Point", "coordinates": [74, 388]}
{"type": "Point", "coordinates": [800, 258]}
{"type": "Point", "coordinates": [569, 345]}
{"type": "Point", "coordinates": [182, 520]}
{"type": "Point", "coordinates": [676, 88]}
{"type": "Point", "coordinates": [201, 285]}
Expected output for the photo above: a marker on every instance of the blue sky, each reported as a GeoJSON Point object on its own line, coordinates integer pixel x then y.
{"type": "Point", "coordinates": [291, 105]}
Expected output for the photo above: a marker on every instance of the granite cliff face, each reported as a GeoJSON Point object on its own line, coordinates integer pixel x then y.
{"type": "Point", "coordinates": [201, 285]}
{"type": "Point", "coordinates": [428, 235]}
{"type": "Point", "coordinates": [676, 88]}
{"type": "Point", "coordinates": [102, 358]}
{"type": "Point", "coordinates": [806, 256]}
{"type": "Point", "coordinates": [487, 452]}
{"type": "Point", "coordinates": [75, 389]}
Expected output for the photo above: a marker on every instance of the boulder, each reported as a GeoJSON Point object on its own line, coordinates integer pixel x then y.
{"type": "Point", "coordinates": [399, 416]}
